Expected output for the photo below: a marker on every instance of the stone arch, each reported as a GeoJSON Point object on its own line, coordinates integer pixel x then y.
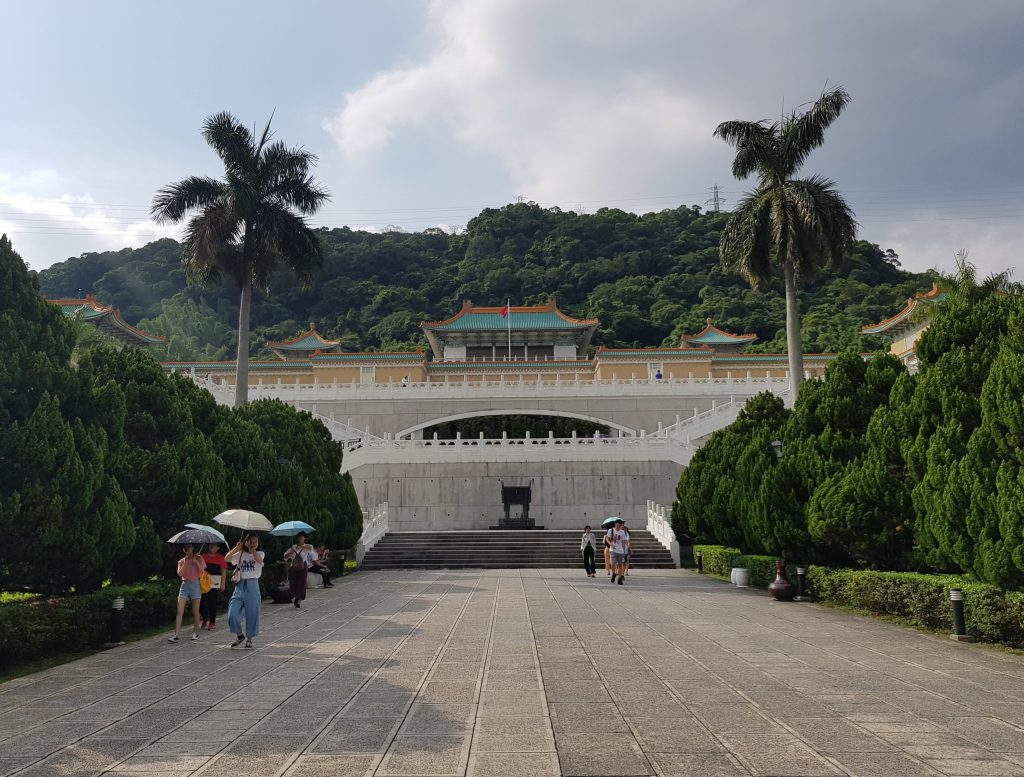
{"type": "Point", "coordinates": [408, 432]}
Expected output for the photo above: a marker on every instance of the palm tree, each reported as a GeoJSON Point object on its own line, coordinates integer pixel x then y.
{"type": "Point", "coordinates": [800, 225]}
{"type": "Point", "coordinates": [249, 221]}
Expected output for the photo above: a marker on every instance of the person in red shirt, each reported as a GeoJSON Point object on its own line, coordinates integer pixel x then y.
{"type": "Point", "coordinates": [216, 566]}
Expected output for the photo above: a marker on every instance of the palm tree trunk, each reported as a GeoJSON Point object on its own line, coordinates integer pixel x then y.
{"type": "Point", "coordinates": [794, 341]}
{"type": "Point", "coordinates": [242, 363]}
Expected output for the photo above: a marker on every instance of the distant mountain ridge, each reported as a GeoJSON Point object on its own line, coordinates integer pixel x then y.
{"type": "Point", "coordinates": [648, 278]}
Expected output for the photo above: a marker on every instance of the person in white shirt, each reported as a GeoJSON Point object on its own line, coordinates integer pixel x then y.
{"type": "Point", "coordinates": [303, 558]}
{"type": "Point", "coordinates": [619, 541]}
{"type": "Point", "coordinates": [246, 599]}
{"type": "Point", "coordinates": [588, 547]}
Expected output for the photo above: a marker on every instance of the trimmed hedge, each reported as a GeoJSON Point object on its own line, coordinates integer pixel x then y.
{"type": "Point", "coordinates": [717, 558]}
{"type": "Point", "coordinates": [41, 627]}
{"type": "Point", "coordinates": [922, 600]}
{"type": "Point", "coordinates": [992, 615]}
{"type": "Point", "coordinates": [720, 561]}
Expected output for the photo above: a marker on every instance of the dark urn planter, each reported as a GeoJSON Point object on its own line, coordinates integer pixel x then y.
{"type": "Point", "coordinates": [282, 592]}
{"type": "Point", "coordinates": [782, 589]}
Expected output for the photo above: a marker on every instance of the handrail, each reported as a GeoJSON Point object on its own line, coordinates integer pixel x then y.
{"type": "Point", "coordinates": [522, 385]}
{"type": "Point", "coordinates": [375, 526]}
{"type": "Point", "coordinates": [659, 525]}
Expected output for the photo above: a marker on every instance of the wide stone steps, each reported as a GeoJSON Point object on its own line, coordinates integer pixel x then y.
{"type": "Point", "coordinates": [501, 550]}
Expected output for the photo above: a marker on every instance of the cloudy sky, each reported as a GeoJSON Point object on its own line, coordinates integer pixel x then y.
{"type": "Point", "coordinates": [423, 113]}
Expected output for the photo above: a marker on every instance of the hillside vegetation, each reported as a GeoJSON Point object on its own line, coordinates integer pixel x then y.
{"type": "Point", "coordinates": [648, 278]}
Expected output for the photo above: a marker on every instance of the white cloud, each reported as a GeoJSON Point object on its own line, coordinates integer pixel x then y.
{"type": "Point", "coordinates": [39, 219]}
{"type": "Point", "coordinates": [604, 102]}
{"type": "Point", "coordinates": [504, 81]}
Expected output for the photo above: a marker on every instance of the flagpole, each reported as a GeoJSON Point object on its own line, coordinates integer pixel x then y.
{"type": "Point", "coordinates": [508, 304]}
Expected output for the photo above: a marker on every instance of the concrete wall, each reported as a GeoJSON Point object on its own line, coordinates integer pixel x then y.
{"type": "Point", "coordinates": [566, 495]}
{"type": "Point", "coordinates": [390, 416]}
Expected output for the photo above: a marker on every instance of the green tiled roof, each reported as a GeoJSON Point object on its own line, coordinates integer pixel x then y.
{"type": "Point", "coordinates": [338, 357]}
{"type": "Point", "coordinates": [84, 311]}
{"type": "Point", "coordinates": [308, 343]}
{"type": "Point", "coordinates": [516, 321]}
{"type": "Point", "coordinates": [772, 357]}
{"type": "Point", "coordinates": [253, 365]}
{"type": "Point", "coordinates": [652, 352]}
{"type": "Point", "coordinates": [720, 338]}
{"type": "Point", "coordinates": [468, 366]}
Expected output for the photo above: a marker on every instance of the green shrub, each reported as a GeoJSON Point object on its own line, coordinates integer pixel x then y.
{"type": "Point", "coordinates": [41, 627]}
{"type": "Point", "coordinates": [991, 614]}
{"type": "Point", "coordinates": [762, 569]}
{"type": "Point", "coordinates": [718, 559]}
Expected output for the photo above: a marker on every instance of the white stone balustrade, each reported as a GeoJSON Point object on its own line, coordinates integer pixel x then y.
{"type": "Point", "coordinates": [511, 389]}
{"type": "Point", "coordinates": [660, 525]}
{"type": "Point", "coordinates": [375, 526]}
{"type": "Point", "coordinates": [506, 449]}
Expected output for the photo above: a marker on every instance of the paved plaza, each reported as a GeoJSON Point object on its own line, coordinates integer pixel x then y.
{"type": "Point", "coordinates": [534, 673]}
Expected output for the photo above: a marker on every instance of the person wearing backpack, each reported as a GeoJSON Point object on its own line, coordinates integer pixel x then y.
{"type": "Point", "coordinates": [213, 581]}
{"type": "Point", "coordinates": [302, 557]}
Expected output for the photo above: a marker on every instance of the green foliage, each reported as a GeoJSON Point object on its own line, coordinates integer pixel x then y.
{"type": "Point", "coordinates": [40, 627]}
{"type": "Point", "coordinates": [193, 329]}
{"type": "Point", "coordinates": [649, 278]}
{"type": "Point", "coordinates": [117, 456]}
{"type": "Point", "coordinates": [992, 615]}
{"type": "Point", "coordinates": [717, 559]}
{"type": "Point", "coordinates": [63, 515]}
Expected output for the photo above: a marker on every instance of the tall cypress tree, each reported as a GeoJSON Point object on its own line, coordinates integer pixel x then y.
{"type": "Point", "coordinates": [63, 515]}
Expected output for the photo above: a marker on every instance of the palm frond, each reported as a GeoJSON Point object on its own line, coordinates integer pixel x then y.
{"type": "Point", "coordinates": [207, 237]}
{"type": "Point", "coordinates": [746, 242]}
{"type": "Point", "coordinates": [822, 225]}
{"type": "Point", "coordinates": [755, 144]}
{"type": "Point", "coordinates": [287, 237]}
{"type": "Point", "coordinates": [232, 141]}
{"type": "Point", "coordinates": [285, 172]}
{"type": "Point", "coordinates": [802, 133]}
{"type": "Point", "coordinates": [171, 203]}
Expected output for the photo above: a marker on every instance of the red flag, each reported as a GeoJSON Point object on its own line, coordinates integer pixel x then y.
{"type": "Point", "coordinates": [504, 312]}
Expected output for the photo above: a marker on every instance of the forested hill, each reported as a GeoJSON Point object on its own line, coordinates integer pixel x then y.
{"type": "Point", "coordinates": [647, 278]}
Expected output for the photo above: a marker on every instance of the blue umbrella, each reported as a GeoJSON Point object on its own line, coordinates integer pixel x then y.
{"type": "Point", "coordinates": [210, 529]}
{"type": "Point", "coordinates": [609, 522]}
{"type": "Point", "coordinates": [291, 528]}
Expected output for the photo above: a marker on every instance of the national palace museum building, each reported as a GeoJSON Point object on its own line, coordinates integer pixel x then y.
{"type": "Point", "coordinates": [487, 344]}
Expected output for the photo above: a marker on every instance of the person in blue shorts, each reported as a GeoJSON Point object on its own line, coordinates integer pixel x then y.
{"type": "Point", "coordinates": [190, 568]}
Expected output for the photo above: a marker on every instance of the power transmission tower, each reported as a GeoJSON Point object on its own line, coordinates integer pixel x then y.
{"type": "Point", "coordinates": [715, 201]}
{"type": "Point", "coordinates": [520, 199]}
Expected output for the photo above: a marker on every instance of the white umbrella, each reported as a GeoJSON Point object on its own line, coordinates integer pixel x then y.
{"type": "Point", "coordinates": [246, 520]}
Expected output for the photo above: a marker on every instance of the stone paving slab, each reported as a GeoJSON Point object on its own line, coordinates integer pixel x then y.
{"type": "Point", "coordinates": [536, 672]}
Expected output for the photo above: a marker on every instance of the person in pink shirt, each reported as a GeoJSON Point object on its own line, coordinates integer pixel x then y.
{"type": "Point", "coordinates": [190, 568]}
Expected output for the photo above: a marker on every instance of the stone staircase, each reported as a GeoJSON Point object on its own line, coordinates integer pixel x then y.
{"type": "Point", "coordinates": [502, 550]}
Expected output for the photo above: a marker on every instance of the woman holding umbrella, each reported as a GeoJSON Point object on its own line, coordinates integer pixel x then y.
{"type": "Point", "coordinates": [246, 598]}
{"type": "Point", "coordinates": [303, 558]}
{"type": "Point", "coordinates": [190, 568]}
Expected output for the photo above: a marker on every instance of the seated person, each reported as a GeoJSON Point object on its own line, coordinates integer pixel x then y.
{"type": "Point", "coordinates": [320, 567]}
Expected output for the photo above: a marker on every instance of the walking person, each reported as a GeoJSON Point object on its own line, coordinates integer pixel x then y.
{"type": "Point", "coordinates": [302, 558]}
{"type": "Point", "coordinates": [216, 566]}
{"type": "Point", "coordinates": [629, 549]}
{"type": "Point", "coordinates": [246, 599]}
{"type": "Point", "coordinates": [190, 569]}
{"type": "Point", "coordinates": [589, 547]}
{"type": "Point", "coordinates": [619, 540]}
{"type": "Point", "coordinates": [606, 541]}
